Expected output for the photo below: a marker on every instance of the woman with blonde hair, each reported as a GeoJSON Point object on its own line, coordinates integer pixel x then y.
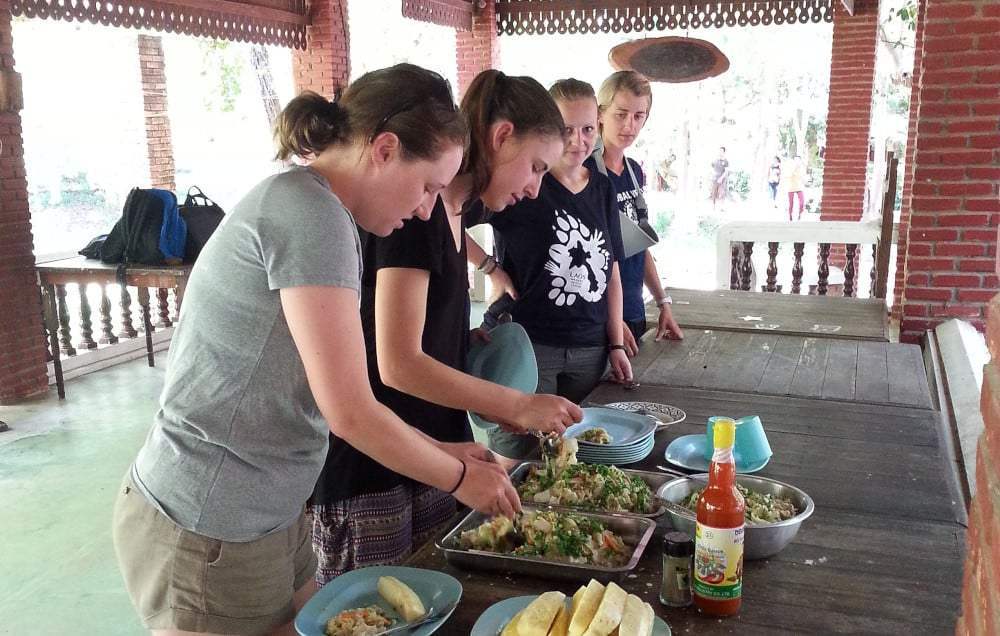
{"type": "Point", "coordinates": [624, 101]}
{"type": "Point", "coordinates": [562, 253]}
{"type": "Point", "coordinates": [268, 359]}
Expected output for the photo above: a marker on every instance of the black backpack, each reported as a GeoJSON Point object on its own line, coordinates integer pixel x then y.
{"type": "Point", "coordinates": [202, 216]}
{"type": "Point", "coordinates": [150, 231]}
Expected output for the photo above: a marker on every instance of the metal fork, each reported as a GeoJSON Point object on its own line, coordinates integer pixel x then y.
{"type": "Point", "coordinates": [431, 615]}
{"type": "Point", "coordinates": [547, 443]}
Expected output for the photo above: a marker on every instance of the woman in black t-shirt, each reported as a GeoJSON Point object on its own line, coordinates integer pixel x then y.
{"type": "Point", "coordinates": [416, 319]}
{"type": "Point", "coordinates": [561, 252]}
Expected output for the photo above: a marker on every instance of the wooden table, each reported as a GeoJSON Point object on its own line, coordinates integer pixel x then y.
{"type": "Point", "coordinates": [820, 316]}
{"type": "Point", "coordinates": [772, 364]}
{"type": "Point", "coordinates": [78, 269]}
{"type": "Point", "coordinates": [883, 552]}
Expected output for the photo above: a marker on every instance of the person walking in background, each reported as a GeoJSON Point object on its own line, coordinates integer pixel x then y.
{"type": "Point", "coordinates": [720, 177]}
{"type": "Point", "coordinates": [796, 183]}
{"type": "Point", "coordinates": [774, 178]}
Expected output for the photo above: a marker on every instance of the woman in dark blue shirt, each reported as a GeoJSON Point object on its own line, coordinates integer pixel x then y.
{"type": "Point", "coordinates": [624, 100]}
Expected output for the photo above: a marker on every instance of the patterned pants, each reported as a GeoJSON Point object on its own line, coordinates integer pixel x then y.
{"type": "Point", "coordinates": [377, 529]}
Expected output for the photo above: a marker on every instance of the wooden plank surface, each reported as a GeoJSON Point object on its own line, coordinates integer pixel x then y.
{"type": "Point", "coordinates": [884, 520]}
{"type": "Point", "coordinates": [772, 364]}
{"type": "Point", "coordinates": [910, 388]}
{"type": "Point", "coordinates": [819, 316]}
{"type": "Point", "coordinates": [873, 373]}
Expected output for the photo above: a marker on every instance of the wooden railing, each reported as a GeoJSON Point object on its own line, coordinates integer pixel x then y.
{"type": "Point", "coordinates": [737, 242]}
{"type": "Point", "coordinates": [70, 289]}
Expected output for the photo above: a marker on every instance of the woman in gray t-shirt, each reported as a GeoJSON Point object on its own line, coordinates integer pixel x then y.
{"type": "Point", "coordinates": [268, 358]}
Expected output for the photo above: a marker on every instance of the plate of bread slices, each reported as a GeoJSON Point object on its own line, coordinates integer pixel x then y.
{"type": "Point", "coordinates": [595, 610]}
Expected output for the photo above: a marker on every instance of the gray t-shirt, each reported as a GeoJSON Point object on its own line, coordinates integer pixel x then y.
{"type": "Point", "coordinates": [238, 442]}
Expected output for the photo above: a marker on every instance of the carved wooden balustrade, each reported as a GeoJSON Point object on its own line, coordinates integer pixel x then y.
{"type": "Point", "coordinates": [809, 262]}
{"type": "Point", "coordinates": [71, 288]}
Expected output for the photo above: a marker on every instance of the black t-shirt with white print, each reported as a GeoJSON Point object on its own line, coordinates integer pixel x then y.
{"type": "Point", "coordinates": [559, 250]}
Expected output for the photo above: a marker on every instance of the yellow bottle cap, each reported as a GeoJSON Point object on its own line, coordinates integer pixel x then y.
{"type": "Point", "coordinates": [724, 433]}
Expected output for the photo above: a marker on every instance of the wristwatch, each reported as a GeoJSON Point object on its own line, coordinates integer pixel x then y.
{"type": "Point", "coordinates": [666, 300]}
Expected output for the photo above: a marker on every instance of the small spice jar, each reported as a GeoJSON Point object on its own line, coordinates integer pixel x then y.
{"type": "Point", "coordinates": [678, 563]}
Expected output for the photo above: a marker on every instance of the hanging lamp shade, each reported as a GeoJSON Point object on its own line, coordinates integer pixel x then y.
{"type": "Point", "coordinates": [670, 59]}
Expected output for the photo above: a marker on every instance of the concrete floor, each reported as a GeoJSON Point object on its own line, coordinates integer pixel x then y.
{"type": "Point", "coordinates": [60, 467]}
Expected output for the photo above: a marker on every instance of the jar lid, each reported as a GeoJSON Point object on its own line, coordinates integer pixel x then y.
{"type": "Point", "coordinates": [677, 544]}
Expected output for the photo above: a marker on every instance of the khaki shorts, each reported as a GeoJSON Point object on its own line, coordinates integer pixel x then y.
{"type": "Point", "coordinates": [181, 580]}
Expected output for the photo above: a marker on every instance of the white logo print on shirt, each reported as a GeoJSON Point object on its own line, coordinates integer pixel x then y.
{"type": "Point", "coordinates": [578, 262]}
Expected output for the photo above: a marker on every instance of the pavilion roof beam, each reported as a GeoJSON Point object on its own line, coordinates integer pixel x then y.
{"type": "Point", "coordinates": [546, 17]}
{"type": "Point", "coordinates": [275, 22]}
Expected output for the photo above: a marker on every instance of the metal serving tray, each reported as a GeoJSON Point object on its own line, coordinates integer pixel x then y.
{"type": "Point", "coordinates": [635, 531]}
{"type": "Point", "coordinates": [653, 480]}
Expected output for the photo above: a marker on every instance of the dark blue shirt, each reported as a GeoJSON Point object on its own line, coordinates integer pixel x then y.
{"type": "Point", "coordinates": [559, 250]}
{"type": "Point", "coordinates": [633, 267]}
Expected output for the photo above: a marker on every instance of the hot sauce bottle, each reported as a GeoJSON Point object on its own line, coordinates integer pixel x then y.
{"type": "Point", "coordinates": [718, 552]}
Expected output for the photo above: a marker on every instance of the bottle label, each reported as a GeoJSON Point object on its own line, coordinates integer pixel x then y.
{"type": "Point", "coordinates": [718, 562]}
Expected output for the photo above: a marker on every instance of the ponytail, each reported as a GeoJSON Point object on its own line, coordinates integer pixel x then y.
{"type": "Point", "coordinates": [492, 97]}
{"type": "Point", "coordinates": [308, 125]}
{"type": "Point", "coordinates": [411, 102]}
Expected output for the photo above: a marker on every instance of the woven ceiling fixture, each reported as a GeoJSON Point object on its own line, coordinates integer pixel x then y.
{"type": "Point", "coordinates": [670, 59]}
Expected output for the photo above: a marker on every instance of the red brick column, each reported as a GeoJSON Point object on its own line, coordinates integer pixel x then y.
{"type": "Point", "coordinates": [981, 583]}
{"type": "Point", "coordinates": [911, 142]}
{"type": "Point", "coordinates": [848, 121]}
{"type": "Point", "coordinates": [478, 49]}
{"type": "Point", "coordinates": [954, 207]}
{"type": "Point", "coordinates": [22, 345]}
{"type": "Point", "coordinates": [159, 147]}
{"type": "Point", "coordinates": [325, 65]}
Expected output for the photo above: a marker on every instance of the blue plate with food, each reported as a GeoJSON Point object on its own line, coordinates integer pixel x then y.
{"type": "Point", "coordinates": [504, 618]}
{"type": "Point", "coordinates": [611, 428]}
{"type": "Point", "coordinates": [379, 598]}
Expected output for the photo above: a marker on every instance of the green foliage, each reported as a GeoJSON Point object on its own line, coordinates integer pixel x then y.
{"type": "Point", "coordinates": [708, 226]}
{"type": "Point", "coordinates": [77, 192]}
{"type": "Point", "coordinates": [662, 220]}
{"type": "Point", "coordinates": [907, 14]}
{"type": "Point", "coordinates": [222, 67]}
{"type": "Point", "coordinates": [739, 183]}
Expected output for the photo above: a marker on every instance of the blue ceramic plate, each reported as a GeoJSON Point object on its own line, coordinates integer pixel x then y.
{"type": "Point", "coordinates": [496, 616]}
{"type": "Point", "coordinates": [624, 428]}
{"type": "Point", "coordinates": [665, 413]}
{"type": "Point", "coordinates": [620, 458]}
{"type": "Point", "coordinates": [688, 452]}
{"type": "Point", "coordinates": [359, 588]}
{"type": "Point", "coordinates": [507, 359]}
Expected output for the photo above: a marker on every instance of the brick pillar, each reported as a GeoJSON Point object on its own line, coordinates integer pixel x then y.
{"type": "Point", "coordinates": [911, 142]}
{"type": "Point", "coordinates": [954, 206]}
{"type": "Point", "coordinates": [981, 583]}
{"type": "Point", "coordinates": [848, 120]}
{"type": "Point", "coordinates": [478, 49]}
{"type": "Point", "coordinates": [325, 65]}
{"type": "Point", "coordinates": [22, 345]}
{"type": "Point", "coordinates": [154, 97]}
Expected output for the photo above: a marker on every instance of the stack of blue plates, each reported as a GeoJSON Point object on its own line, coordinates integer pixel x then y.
{"type": "Point", "coordinates": [631, 436]}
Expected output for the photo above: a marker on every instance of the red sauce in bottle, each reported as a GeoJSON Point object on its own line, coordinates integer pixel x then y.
{"type": "Point", "coordinates": [718, 560]}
